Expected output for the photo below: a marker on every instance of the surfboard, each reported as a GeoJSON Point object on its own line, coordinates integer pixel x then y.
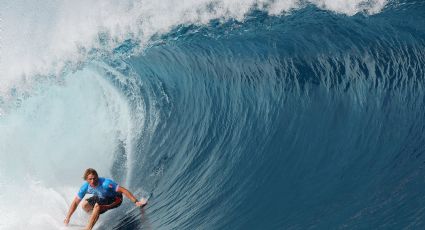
{"type": "Point", "coordinates": [73, 227]}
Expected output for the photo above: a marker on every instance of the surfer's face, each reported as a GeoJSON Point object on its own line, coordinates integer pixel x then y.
{"type": "Point", "coordinates": [92, 180]}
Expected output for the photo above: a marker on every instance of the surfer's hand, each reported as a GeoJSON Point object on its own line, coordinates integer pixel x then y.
{"type": "Point", "coordinates": [142, 203]}
{"type": "Point", "coordinates": [66, 221]}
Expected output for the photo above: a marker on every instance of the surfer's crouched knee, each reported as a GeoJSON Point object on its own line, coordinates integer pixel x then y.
{"type": "Point", "coordinates": [96, 207]}
{"type": "Point", "coordinates": [94, 202]}
{"type": "Point", "coordinates": [86, 206]}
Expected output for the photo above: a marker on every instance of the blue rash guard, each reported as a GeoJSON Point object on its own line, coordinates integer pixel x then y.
{"type": "Point", "coordinates": [106, 188]}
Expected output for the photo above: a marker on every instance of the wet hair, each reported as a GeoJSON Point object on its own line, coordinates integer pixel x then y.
{"type": "Point", "coordinates": [88, 172]}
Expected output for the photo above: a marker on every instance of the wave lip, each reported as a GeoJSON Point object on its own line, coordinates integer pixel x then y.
{"type": "Point", "coordinates": [351, 7]}
{"type": "Point", "coordinates": [43, 42]}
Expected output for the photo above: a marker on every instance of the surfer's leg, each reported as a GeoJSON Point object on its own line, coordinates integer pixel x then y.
{"type": "Point", "coordinates": [94, 217]}
{"type": "Point", "coordinates": [86, 206]}
{"type": "Point", "coordinates": [89, 203]}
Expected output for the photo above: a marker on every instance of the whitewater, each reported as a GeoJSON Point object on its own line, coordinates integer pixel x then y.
{"type": "Point", "coordinates": [225, 114]}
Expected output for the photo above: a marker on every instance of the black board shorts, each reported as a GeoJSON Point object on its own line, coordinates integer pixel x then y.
{"type": "Point", "coordinates": [105, 201]}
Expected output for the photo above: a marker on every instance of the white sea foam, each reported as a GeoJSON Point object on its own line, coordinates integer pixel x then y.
{"type": "Point", "coordinates": [351, 7]}
{"type": "Point", "coordinates": [40, 37]}
{"type": "Point", "coordinates": [48, 141]}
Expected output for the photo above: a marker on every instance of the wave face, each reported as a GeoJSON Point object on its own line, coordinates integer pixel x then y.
{"type": "Point", "coordinates": [263, 115]}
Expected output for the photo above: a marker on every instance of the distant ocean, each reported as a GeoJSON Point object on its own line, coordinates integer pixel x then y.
{"type": "Point", "coordinates": [226, 114]}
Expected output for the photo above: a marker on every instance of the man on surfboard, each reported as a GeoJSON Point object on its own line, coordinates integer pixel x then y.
{"type": "Point", "coordinates": [106, 195]}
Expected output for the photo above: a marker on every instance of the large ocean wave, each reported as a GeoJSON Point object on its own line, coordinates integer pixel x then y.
{"type": "Point", "coordinates": [226, 114]}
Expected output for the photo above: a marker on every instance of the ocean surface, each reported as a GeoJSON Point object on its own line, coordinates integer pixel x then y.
{"type": "Point", "coordinates": [225, 114]}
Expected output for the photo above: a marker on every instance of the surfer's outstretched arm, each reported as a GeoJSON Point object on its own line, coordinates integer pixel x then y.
{"type": "Point", "coordinates": [74, 206]}
{"type": "Point", "coordinates": [130, 196]}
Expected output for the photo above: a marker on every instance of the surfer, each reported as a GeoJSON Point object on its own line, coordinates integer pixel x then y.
{"type": "Point", "coordinates": [106, 195]}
